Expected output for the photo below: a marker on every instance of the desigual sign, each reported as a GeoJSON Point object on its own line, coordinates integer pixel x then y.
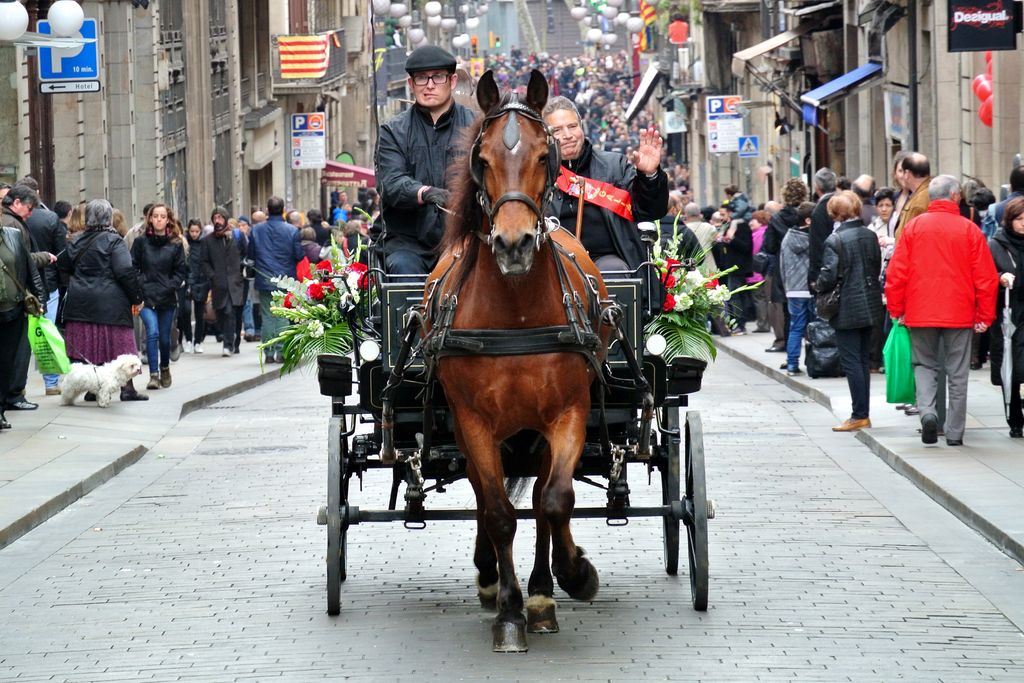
{"type": "Point", "coordinates": [979, 25]}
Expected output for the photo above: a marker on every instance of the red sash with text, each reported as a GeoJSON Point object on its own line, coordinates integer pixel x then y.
{"type": "Point", "coordinates": [602, 194]}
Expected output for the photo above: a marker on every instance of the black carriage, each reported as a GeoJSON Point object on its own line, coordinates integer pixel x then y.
{"type": "Point", "coordinates": [427, 459]}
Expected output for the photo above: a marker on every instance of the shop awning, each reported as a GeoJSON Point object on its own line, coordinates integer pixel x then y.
{"type": "Point", "coordinates": [347, 175]}
{"type": "Point", "coordinates": [647, 85]}
{"type": "Point", "coordinates": [741, 59]}
{"type": "Point", "coordinates": [838, 89]}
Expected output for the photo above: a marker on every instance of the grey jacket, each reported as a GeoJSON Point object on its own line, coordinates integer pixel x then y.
{"type": "Point", "coordinates": [794, 262]}
{"type": "Point", "coordinates": [855, 272]}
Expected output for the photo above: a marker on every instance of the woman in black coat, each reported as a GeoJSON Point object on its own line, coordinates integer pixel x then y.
{"type": "Point", "coordinates": [223, 252]}
{"type": "Point", "coordinates": [159, 257]}
{"type": "Point", "coordinates": [195, 293]}
{"type": "Point", "coordinates": [852, 261]}
{"type": "Point", "coordinates": [18, 275]}
{"type": "Point", "coordinates": [103, 293]}
{"type": "Point", "coordinates": [1007, 247]}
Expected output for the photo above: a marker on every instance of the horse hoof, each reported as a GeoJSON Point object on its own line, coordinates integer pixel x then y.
{"type": "Point", "coordinates": [488, 595]}
{"type": "Point", "coordinates": [509, 637]}
{"type": "Point", "coordinates": [585, 589]}
{"type": "Point", "coordinates": [540, 615]}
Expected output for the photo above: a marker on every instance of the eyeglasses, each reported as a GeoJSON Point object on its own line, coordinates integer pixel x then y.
{"type": "Point", "coordinates": [438, 79]}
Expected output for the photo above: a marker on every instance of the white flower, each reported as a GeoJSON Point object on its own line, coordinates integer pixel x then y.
{"type": "Point", "coordinates": [316, 329]}
{"type": "Point", "coordinates": [683, 302]}
{"type": "Point", "coordinates": [694, 277]}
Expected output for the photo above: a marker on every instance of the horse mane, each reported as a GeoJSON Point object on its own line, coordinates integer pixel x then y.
{"type": "Point", "coordinates": [467, 216]}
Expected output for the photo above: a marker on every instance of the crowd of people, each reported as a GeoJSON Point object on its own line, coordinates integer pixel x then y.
{"type": "Point", "coordinates": [155, 289]}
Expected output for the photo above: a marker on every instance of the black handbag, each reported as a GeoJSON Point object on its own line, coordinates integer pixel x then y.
{"type": "Point", "coordinates": [826, 304]}
{"type": "Point", "coordinates": [761, 263]}
{"type": "Point", "coordinates": [30, 302]}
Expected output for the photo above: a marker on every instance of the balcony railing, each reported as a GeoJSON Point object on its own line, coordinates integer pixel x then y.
{"type": "Point", "coordinates": [336, 67]}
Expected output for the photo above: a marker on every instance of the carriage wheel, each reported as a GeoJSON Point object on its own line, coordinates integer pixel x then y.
{"type": "Point", "coordinates": [696, 503]}
{"type": "Point", "coordinates": [670, 492]}
{"type": "Point", "coordinates": [337, 495]}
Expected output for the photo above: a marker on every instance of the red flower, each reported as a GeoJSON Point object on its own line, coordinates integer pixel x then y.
{"type": "Point", "coordinates": [669, 303]}
{"type": "Point", "coordinates": [328, 286]}
{"type": "Point", "coordinates": [289, 300]}
{"type": "Point", "coordinates": [711, 284]}
{"type": "Point", "coordinates": [669, 280]}
{"type": "Point", "coordinates": [324, 265]}
{"type": "Point", "coordinates": [671, 265]}
{"type": "Point", "coordinates": [364, 280]}
{"type": "Point", "coordinates": [316, 291]}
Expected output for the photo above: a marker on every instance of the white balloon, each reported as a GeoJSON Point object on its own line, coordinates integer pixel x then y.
{"type": "Point", "coordinates": [381, 6]}
{"type": "Point", "coordinates": [398, 9]}
{"type": "Point", "coordinates": [594, 35]}
{"type": "Point", "coordinates": [635, 25]}
{"type": "Point", "coordinates": [434, 20]}
{"type": "Point", "coordinates": [66, 17]}
{"type": "Point", "coordinates": [405, 21]}
{"type": "Point", "coordinates": [416, 35]}
{"type": "Point", "coordinates": [472, 22]}
{"type": "Point", "coordinates": [432, 8]}
{"type": "Point", "coordinates": [13, 20]}
{"type": "Point", "coordinates": [610, 12]}
{"type": "Point", "coordinates": [578, 13]}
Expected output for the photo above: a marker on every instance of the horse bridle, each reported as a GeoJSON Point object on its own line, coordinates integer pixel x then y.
{"type": "Point", "coordinates": [510, 137]}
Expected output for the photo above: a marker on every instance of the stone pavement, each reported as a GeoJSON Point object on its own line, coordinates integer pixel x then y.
{"type": "Point", "coordinates": [56, 454]}
{"type": "Point", "coordinates": [206, 564]}
{"type": "Point", "coordinates": [981, 482]}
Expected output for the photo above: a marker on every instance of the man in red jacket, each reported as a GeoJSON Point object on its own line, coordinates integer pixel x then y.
{"type": "Point", "coordinates": [941, 283]}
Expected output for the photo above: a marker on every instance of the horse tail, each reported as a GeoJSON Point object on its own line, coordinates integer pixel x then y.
{"type": "Point", "coordinates": [516, 487]}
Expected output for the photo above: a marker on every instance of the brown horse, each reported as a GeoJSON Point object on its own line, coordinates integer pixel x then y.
{"type": "Point", "coordinates": [502, 270]}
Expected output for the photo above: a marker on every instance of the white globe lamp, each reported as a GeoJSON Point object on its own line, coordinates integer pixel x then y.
{"type": "Point", "coordinates": [614, 3]}
{"type": "Point", "coordinates": [405, 21]}
{"type": "Point", "coordinates": [66, 17]}
{"type": "Point", "coordinates": [635, 25]}
{"type": "Point", "coordinates": [482, 9]}
{"type": "Point", "coordinates": [381, 6]}
{"type": "Point", "coordinates": [609, 38]}
{"type": "Point", "coordinates": [432, 9]}
{"type": "Point", "coordinates": [448, 23]}
{"type": "Point", "coordinates": [594, 35]}
{"type": "Point", "coordinates": [13, 20]}
{"type": "Point", "coordinates": [578, 13]}
{"type": "Point", "coordinates": [472, 22]}
{"type": "Point", "coordinates": [621, 18]}
{"type": "Point", "coordinates": [398, 9]}
{"type": "Point", "coordinates": [610, 12]}
{"type": "Point", "coordinates": [416, 35]}
{"type": "Point", "coordinates": [434, 20]}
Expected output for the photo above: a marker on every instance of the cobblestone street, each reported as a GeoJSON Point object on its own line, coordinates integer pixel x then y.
{"type": "Point", "coordinates": [203, 562]}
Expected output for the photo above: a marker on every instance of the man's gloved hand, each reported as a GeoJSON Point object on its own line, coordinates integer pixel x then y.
{"type": "Point", "coordinates": [435, 195]}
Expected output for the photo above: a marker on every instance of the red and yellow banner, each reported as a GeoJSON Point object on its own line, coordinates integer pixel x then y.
{"type": "Point", "coordinates": [596, 192]}
{"type": "Point", "coordinates": [304, 56]}
{"type": "Point", "coordinates": [649, 16]}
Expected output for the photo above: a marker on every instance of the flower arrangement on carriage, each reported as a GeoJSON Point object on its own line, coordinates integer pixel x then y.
{"type": "Point", "coordinates": [693, 297]}
{"type": "Point", "coordinates": [316, 303]}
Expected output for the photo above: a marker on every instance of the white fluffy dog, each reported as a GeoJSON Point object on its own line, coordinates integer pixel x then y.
{"type": "Point", "coordinates": [103, 380]}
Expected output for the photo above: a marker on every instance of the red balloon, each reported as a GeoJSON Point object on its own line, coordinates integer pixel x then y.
{"type": "Point", "coordinates": [983, 88]}
{"type": "Point", "coordinates": [988, 57]}
{"type": "Point", "coordinates": [985, 112]}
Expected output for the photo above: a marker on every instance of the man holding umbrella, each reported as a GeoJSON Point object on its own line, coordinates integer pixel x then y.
{"type": "Point", "coordinates": [1007, 348]}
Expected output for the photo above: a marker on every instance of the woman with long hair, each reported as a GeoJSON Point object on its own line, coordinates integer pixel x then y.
{"type": "Point", "coordinates": [198, 290]}
{"type": "Point", "coordinates": [159, 257]}
{"type": "Point", "coordinates": [852, 262]}
{"type": "Point", "coordinates": [103, 293]}
{"type": "Point", "coordinates": [1007, 247]}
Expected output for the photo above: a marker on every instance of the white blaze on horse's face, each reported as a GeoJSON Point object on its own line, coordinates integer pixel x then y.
{"type": "Point", "coordinates": [514, 155]}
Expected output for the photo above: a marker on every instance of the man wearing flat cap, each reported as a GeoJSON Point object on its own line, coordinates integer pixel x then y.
{"type": "Point", "coordinates": [414, 150]}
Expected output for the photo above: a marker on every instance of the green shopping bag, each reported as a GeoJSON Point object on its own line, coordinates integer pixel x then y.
{"type": "Point", "coordinates": [899, 372]}
{"type": "Point", "coordinates": [47, 346]}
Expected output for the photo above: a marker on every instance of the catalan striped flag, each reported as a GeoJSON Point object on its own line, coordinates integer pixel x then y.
{"type": "Point", "coordinates": [648, 14]}
{"type": "Point", "coordinates": [304, 56]}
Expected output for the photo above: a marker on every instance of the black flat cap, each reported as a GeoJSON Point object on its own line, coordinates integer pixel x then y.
{"type": "Point", "coordinates": [429, 57]}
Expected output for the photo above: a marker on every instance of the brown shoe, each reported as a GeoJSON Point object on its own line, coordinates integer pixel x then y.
{"type": "Point", "coordinates": [165, 377]}
{"type": "Point", "coordinates": [852, 425]}
{"type": "Point", "coordinates": [53, 391]}
{"type": "Point", "coordinates": [154, 382]}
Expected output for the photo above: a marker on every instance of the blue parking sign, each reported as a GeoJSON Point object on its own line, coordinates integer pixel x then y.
{"type": "Point", "coordinates": [81, 63]}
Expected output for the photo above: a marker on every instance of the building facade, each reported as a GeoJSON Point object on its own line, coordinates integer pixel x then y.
{"type": "Point", "coordinates": [193, 109]}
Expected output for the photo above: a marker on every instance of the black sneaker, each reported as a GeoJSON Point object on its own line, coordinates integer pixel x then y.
{"type": "Point", "coordinates": [929, 429]}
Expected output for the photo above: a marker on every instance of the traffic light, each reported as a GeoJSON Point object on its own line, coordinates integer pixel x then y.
{"type": "Point", "coordinates": [497, 42]}
{"type": "Point", "coordinates": [474, 44]}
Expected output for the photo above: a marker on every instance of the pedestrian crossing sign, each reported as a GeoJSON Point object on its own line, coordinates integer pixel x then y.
{"type": "Point", "coordinates": [750, 146]}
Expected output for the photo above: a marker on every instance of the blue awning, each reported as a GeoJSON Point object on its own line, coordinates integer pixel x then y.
{"type": "Point", "coordinates": [837, 89]}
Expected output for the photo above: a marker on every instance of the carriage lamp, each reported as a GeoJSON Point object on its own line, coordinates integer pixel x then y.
{"type": "Point", "coordinates": [655, 345]}
{"type": "Point", "coordinates": [369, 351]}
{"type": "Point", "coordinates": [13, 19]}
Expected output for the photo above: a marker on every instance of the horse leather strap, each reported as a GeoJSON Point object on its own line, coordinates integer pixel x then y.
{"type": "Point", "coordinates": [520, 342]}
{"type": "Point", "coordinates": [603, 194]}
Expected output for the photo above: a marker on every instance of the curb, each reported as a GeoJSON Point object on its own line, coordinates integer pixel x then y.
{"type": "Point", "coordinates": [816, 395]}
{"type": "Point", "coordinates": [1008, 545]}
{"type": "Point", "coordinates": [51, 507]}
{"type": "Point", "coordinates": [34, 518]}
{"type": "Point", "coordinates": [954, 505]}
